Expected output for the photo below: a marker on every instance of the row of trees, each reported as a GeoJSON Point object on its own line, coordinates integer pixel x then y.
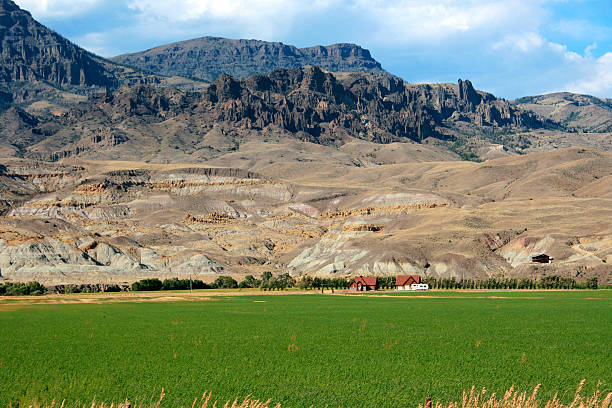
{"type": "Point", "coordinates": [22, 289]}
{"type": "Point", "coordinates": [546, 282]}
{"type": "Point", "coordinates": [267, 282]}
{"type": "Point", "coordinates": [284, 281]}
{"type": "Point", "coordinates": [308, 282]}
{"type": "Point", "coordinates": [281, 282]}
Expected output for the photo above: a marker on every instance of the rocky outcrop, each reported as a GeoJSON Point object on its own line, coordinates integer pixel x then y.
{"type": "Point", "coordinates": [380, 108]}
{"type": "Point", "coordinates": [32, 52]}
{"type": "Point", "coordinates": [209, 57]}
{"type": "Point", "coordinates": [307, 103]}
{"type": "Point", "coordinates": [318, 107]}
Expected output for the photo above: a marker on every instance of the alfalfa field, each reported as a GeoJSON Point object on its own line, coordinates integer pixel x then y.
{"type": "Point", "coordinates": [302, 350]}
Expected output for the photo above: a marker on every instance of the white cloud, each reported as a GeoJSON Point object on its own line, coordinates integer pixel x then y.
{"type": "Point", "coordinates": [595, 75]}
{"type": "Point", "coordinates": [551, 67]}
{"type": "Point", "coordinates": [521, 42]}
{"type": "Point", "coordinates": [251, 17]}
{"type": "Point", "coordinates": [410, 21]}
{"type": "Point", "coordinates": [50, 9]}
{"type": "Point", "coordinates": [384, 22]}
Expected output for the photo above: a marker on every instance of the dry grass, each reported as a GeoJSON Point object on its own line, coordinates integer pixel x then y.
{"type": "Point", "coordinates": [202, 402]}
{"type": "Point", "coordinates": [511, 399]}
{"type": "Point", "coordinates": [516, 399]}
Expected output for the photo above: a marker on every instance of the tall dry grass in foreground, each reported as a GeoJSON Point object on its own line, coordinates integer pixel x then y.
{"type": "Point", "coordinates": [517, 399]}
{"type": "Point", "coordinates": [511, 399]}
{"type": "Point", "coordinates": [203, 402]}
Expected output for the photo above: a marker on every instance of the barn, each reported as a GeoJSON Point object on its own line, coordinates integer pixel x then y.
{"type": "Point", "coordinates": [403, 282]}
{"type": "Point", "coordinates": [364, 283]}
{"type": "Point", "coordinates": [542, 258]}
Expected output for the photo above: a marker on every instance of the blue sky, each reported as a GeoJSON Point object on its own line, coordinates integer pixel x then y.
{"type": "Point", "coordinates": [511, 48]}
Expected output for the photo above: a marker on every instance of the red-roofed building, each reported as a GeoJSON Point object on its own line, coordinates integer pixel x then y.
{"type": "Point", "coordinates": [403, 282]}
{"type": "Point", "coordinates": [364, 283]}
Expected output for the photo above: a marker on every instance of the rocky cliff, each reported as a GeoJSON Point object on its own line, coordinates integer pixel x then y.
{"type": "Point", "coordinates": [324, 108]}
{"type": "Point", "coordinates": [307, 104]}
{"type": "Point", "coordinates": [32, 52]}
{"type": "Point", "coordinates": [209, 57]}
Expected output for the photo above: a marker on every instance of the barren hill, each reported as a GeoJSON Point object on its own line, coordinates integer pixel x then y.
{"type": "Point", "coordinates": [209, 57]}
{"type": "Point", "coordinates": [584, 112]}
{"type": "Point", "coordinates": [117, 221]}
{"type": "Point", "coordinates": [46, 74]}
{"type": "Point", "coordinates": [32, 52]}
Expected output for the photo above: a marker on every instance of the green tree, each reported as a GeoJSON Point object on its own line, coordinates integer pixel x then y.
{"type": "Point", "coordinates": [147, 285]}
{"type": "Point", "coordinates": [249, 282]}
{"type": "Point", "coordinates": [225, 282]}
{"type": "Point", "coordinates": [592, 283]}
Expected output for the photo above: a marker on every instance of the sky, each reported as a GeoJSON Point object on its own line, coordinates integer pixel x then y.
{"type": "Point", "coordinates": [511, 48]}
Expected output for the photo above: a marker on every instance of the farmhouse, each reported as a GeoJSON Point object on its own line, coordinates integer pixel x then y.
{"type": "Point", "coordinates": [364, 283]}
{"type": "Point", "coordinates": [403, 282]}
{"type": "Point", "coordinates": [542, 258]}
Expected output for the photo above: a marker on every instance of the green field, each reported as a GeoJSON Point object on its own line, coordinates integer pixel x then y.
{"type": "Point", "coordinates": [353, 351]}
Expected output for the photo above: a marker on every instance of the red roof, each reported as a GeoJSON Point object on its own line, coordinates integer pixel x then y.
{"type": "Point", "coordinates": [366, 280]}
{"type": "Point", "coordinates": [403, 280]}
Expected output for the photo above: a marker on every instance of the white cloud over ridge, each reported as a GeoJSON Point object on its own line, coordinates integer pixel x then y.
{"type": "Point", "coordinates": [408, 20]}
{"type": "Point", "coordinates": [246, 17]}
{"type": "Point", "coordinates": [54, 9]}
{"type": "Point", "coordinates": [386, 21]}
{"type": "Point", "coordinates": [596, 78]}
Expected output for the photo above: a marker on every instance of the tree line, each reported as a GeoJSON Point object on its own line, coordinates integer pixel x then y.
{"type": "Point", "coordinates": [266, 282]}
{"type": "Point", "coordinates": [22, 289]}
{"type": "Point", "coordinates": [546, 282]}
{"type": "Point", "coordinates": [284, 281]}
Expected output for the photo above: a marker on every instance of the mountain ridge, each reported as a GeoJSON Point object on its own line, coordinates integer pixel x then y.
{"type": "Point", "coordinates": [306, 104]}
{"type": "Point", "coordinates": [578, 111]}
{"type": "Point", "coordinates": [209, 57]}
{"type": "Point", "coordinates": [32, 52]}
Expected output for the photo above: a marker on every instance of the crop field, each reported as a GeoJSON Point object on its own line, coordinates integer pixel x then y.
{"type": "Point", "coordinates": [306, 349]}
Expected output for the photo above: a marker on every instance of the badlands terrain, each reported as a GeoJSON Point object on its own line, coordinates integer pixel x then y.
{"type": "Point", "coordinates": [108, 221]}
{"type": "Point", "coordinates": [309, 161]}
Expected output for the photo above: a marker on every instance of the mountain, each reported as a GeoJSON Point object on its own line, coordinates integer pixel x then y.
{"type": "Point", "coordinates": [109, 174]}
{"type": "Point", "coordinates": [32, 52]}
{"type": "Point", "coordinates": [45, 73]}
{"type": "Point", "coordinates": [581, 112]}
{"type": "Point", "coordinates": [209, 57]}
{"type": "Point", "coordinates": [306, 104]}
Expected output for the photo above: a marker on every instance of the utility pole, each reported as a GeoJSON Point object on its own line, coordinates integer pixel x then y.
{"type": "Point", "coordinates": [190, 284]}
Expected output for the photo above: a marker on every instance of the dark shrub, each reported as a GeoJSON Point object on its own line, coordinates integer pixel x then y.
{"type": "Point", "coordinates": [249, 282]}
{"type": "Point", "coordinates": [198, 284]}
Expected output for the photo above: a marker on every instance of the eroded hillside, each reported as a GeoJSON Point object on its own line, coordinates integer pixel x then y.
{"type": "Point", "coordinates": [117, 221]}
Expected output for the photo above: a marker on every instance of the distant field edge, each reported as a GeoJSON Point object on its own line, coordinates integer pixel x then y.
{"type": "Point", "coordinates": [212, 295]}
